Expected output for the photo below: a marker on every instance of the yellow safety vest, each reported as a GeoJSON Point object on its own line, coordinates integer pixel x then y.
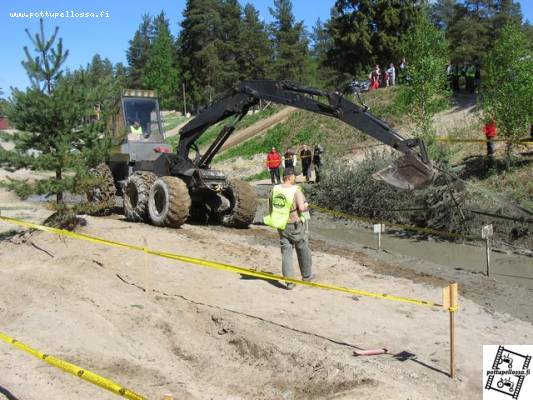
{"type": "Point", "coordinates": [137, 131]}
{"type": "Point", "coordinates": [282, 200]}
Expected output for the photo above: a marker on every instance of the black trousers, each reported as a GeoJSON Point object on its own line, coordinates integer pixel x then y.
{"type": "Point", "coordinates": [274, 173]}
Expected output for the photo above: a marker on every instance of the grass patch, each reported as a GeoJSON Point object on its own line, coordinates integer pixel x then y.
{"type": "Point", "coordinates": [259, 176]}
{"type": "Point", "coordinates": [172, 122]}
{"type": "Point", "coordinates": [212, 132]}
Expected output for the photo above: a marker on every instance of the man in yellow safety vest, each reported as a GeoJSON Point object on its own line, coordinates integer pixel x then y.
{"type": "Point", "coordinates": [289, 215]}
{"type": "Point", "coordinates": [136, 131]}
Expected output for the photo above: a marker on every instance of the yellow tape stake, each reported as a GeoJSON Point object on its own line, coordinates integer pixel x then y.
{"type": "Point", "coordinates": [444, 139]}
{"type": "Point", "coordinates": [74, 370]}
{"type": "Point", "coordinates": [217, 265]}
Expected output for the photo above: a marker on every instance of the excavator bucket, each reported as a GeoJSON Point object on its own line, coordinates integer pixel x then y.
{"type": "Point", "coordinates": [407, 172]}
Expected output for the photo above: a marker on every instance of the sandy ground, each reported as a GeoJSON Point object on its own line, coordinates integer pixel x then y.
{"type": "Point", "coordinates": [161, 326]}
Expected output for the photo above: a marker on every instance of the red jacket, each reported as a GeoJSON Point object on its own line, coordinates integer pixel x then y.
{"type": "Point", "coordinates": [490, 130]}
{"type": "Point", "coordinates": [273, 160]}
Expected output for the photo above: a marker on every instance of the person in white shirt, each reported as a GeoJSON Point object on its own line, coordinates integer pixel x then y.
{"type": "Point", "coordinates": [392, 75]}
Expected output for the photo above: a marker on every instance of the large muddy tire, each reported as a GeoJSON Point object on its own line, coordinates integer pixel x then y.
{"type": "Point", "coordinates": [102, 196]}
{"type": "Point", "coordinates": [243, 200]}
{"type": "Point", "coordinates": [136, 193]}
{"type": "Point", "coordinates": [169, 202]}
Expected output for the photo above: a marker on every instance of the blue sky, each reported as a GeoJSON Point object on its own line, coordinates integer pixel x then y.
{"type": "Point", "coordinates": [109, 36]}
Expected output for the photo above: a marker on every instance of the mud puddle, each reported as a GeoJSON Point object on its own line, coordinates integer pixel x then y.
{"type": "Point", "coordinates": [509, 268]}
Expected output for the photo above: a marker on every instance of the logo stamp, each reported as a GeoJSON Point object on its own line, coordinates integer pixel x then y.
{"type": "Point", "coordinates": [506, 372]}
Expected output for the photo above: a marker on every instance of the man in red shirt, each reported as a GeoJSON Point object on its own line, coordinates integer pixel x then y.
{"type": "Point", "coordinates": [273, 162]}
{"type": "Point", "coordinates": [490, 132]}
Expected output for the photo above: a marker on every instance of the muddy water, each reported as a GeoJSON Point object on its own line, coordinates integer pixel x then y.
{"type": "Point", "coordinates": [510, 268]}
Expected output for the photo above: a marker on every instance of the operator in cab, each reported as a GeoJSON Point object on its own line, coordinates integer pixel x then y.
{"type": "Point", "coordinates": [136, 131]}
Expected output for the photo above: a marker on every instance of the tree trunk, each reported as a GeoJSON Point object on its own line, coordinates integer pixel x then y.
{"type": "Point", "coordinates": [59, 195]}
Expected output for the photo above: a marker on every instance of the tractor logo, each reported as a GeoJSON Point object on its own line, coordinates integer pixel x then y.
{"type": "Point", "coordinates": [507, 372]}
{"type": "Point", "coordinates": [279, 201]}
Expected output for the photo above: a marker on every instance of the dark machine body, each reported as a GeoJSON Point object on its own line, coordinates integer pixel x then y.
{"type": "Point", "coordinates": [210, 191]}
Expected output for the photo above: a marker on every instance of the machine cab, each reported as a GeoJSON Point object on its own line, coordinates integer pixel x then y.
{"type": "Point", "coordinates": [141, 121]}
{"type": "Point", "coordinates": [137, 135]}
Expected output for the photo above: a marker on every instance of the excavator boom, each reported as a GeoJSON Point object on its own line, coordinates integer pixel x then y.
{"type": "Point", "coordinates": [414, 170]}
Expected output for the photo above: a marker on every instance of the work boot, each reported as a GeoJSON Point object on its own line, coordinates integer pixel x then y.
{"type": "Point", "coordinates": [310, 278]}
{"type": "Point", "coordinates": [290, 286]}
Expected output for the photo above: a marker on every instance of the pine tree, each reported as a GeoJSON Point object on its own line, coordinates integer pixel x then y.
{"type": "Point", "coordinates": [443, 12]}
{"type": "Point", "coordinates": [290, 43]}
{"type": "Point", "coordinates": [351, 52]}
{"type": "Point", "coordinates": [137, 54]}
{"type": "Point", "coordinates": [46, 67]}
{"type": "Point", "coordinates": [368, 32]}
{"type": "Point", "coordinates": [53, 118]}
{"type": "Point", "coordinates": [256, 54]}
{"type": "Point", "coordinates": [392, 19]}
{"type": "Point", "coordinates": [506, 12]}
{"type": "Point", "coordinates": [199, 58]}
{"type": "Point", "coordinates": [160, 73]}
{"type": "Point", "coordinates": [229, 44]}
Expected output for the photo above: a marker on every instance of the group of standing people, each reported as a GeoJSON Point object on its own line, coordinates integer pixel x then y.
{"type": "Point", "coordinates": [275, 161]}
{"type": "Point", "coordinates": [470, 74]}
{"type": "Point", "coordinates": [386, 77]}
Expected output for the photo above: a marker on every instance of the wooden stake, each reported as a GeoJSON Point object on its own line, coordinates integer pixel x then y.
{"type": "Point", "coordinates": [487, 251]}
{"type": "Point", "coordinates": [452, 309]}
{"type": "Point", "coordinates": [486, 233]}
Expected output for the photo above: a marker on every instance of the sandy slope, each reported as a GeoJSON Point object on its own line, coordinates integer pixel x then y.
{"type": "Point", "coordinates": [160, 326]}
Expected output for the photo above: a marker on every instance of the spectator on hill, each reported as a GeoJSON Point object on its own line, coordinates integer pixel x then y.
{"type": "Point", "coordinates": [391, 72]}
{"type": "Point", "coordinates": [273, 163]}
{"type": "Point", "coordinates": [374, 77]}
{"type": "Point", "coordinates": [403, 71]}
{"type": "Point", "coordinates": [307, 159]}
{"type": "Point", "coordinates": [289, 159]}
{"type": "Point", "coordinates": [317, 161]}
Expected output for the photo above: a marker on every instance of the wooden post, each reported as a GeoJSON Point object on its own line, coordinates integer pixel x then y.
{"type": "Point", "coordinates": [486, 233]}
{"type": "Point", "coordinates": [450, 301]}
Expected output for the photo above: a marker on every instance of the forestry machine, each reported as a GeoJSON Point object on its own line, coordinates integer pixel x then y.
{"type": "Point", "coordinates": [167, 188]}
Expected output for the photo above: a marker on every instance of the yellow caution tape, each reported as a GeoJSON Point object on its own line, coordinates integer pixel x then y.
{"type": "Point", "coordinates": [74, 370]}
{"type": "Point", "coordinates": [217, 265]}
{"type": "Point", "coordinates": [444, 139]}
{"type": "Point", "coordinates": [402, 226]}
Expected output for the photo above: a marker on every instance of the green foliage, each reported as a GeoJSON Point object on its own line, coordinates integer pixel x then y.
{"type": "Point", "coordinates": [264, 174]}
{"type": "Point", "coordinates": [289, 42]}
{"type": "Point", "coordinates": [229, 43]}
{"type": "Point", "coordinates": [58, 130]}
{"type": "Point", "coordinates": [199, 58]}
{"type": "Point", "coordinates": [472, 26]}
{"type": "Point", "coordinates": [367, 32]}
{"type": "Point", "coordinates": [426, 52]}
{"type": "Point", "coordinates": [45, 68]}
{"type": "Point", "coordinates": [256, 54]}
{"type": "Point", "coordinates": [160, 73]}
{"type": "Point", "coordinates": [353, 190]}
{"type": "Point", "coordinates": [137, 53]}
{"type": "Point", "coordinates": [508, 85]}
{"type": "Point", "coordinates": [3, 104]}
